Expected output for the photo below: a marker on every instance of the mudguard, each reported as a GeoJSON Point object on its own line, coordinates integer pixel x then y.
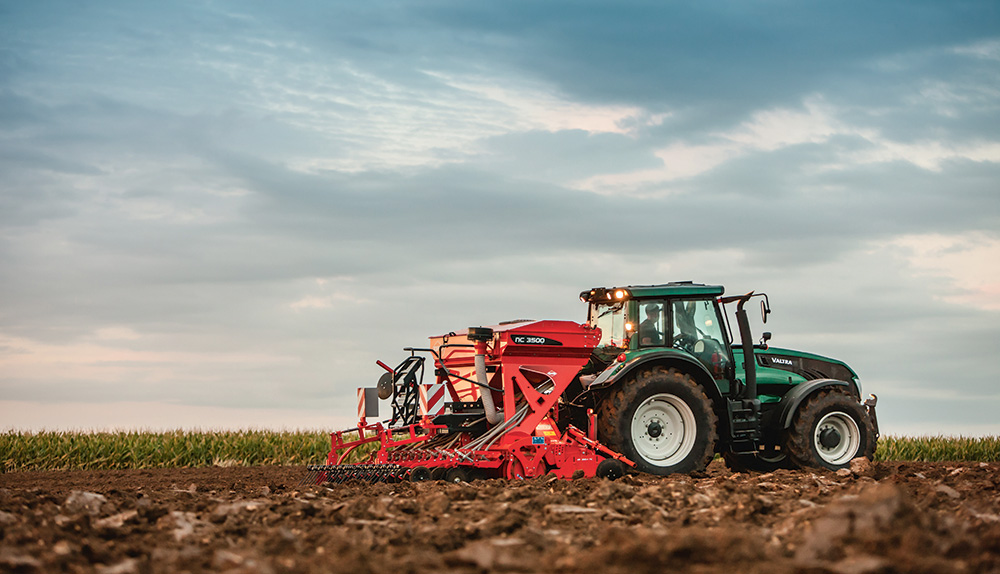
{"type": "Point", "coordinates": [619, 371]}
{"type": "Point", "coordinates": [793, 398]}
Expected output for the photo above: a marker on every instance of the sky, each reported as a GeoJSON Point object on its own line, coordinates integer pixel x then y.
{"type": "Point", "coordinates": [220, 214]}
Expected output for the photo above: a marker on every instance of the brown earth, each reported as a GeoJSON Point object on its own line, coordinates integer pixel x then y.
{"type": "Point", "coordinates": [887, 517]}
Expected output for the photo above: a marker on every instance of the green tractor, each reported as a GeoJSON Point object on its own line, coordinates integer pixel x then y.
{"type": "Point", "coordinates": [670, 389]}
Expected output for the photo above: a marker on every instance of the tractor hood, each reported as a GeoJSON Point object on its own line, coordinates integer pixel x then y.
{"type": "Point", "coordinates": [808, 366]}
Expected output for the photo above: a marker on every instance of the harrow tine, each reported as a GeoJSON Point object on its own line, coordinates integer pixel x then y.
{"type": "Point", "coordinates": [341, 473]}
{"type": "Point", "coordinates": [309, 477]}
{"type": "Point", "coordinates": [314, 475]}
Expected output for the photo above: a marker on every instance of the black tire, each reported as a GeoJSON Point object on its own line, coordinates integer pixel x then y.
{"type": "Point", "coordinates": [768, 461]}
{"type": "Point", "coordinates": [438, 473]}
{"type": "Point", "coordinates": [457, 474]}
{"type": "Point", "coordinates": [660, 402]}
{"type": "Point", "coordinates": [829, 430]}
{"type": "Point", "coordinates": [420, 474]}
{"type": "Point", "coordinates": [610, 469]}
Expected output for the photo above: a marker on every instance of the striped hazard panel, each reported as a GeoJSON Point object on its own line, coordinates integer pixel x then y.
{"type": "Point", "coordinates": [433, 398]}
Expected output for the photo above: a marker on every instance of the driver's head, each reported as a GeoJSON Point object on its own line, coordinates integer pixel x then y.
{"type": "Point", "coordinates": [652, 311]}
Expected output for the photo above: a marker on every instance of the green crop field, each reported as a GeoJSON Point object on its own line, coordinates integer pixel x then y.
{"type": "Point", "coordinates": [939, 448]}
{"type": "Point", "coordinates": [118, 450]}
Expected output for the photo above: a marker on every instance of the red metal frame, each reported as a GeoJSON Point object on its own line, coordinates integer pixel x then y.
{"type": "Point", "coordinates": [520, 358]}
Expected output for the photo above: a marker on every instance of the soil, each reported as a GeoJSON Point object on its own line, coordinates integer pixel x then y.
{"type": "Point", "coordinates": [877, 518]}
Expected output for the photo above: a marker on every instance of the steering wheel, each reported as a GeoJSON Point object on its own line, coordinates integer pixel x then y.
{"type": "Point", "coordinates": [684, 342]}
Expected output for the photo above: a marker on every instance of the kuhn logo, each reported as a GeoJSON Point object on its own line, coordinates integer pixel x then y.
{"type": "Point", "coordinates": [778, 361]}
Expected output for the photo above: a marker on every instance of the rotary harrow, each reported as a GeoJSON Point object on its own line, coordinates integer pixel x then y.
{"type": "Point", "coordinates": [492, 412]}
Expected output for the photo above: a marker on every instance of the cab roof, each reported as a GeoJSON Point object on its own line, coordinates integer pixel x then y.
{"type": "Point", "coordinates": [672, 289]}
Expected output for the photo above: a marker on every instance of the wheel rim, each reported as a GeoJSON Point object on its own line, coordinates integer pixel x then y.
{"type": "Point", "coordinates": [663, 430]}
{"type": "Point", "coordinates": [837, 438]}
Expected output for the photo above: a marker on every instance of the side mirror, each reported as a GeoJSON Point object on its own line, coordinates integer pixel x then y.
{"type": "Point", "coordinates": [764, 311]}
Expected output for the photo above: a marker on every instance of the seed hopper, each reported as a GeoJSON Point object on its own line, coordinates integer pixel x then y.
{"type": "Point", "coordinates": [492, 411]}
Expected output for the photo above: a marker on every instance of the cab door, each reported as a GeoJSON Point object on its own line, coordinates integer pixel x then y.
{"type": "Point", "coordinates": [697, 329]}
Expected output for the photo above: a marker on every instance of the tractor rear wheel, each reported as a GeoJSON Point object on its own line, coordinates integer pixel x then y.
{"type": "Point", "coordinates": [829, 431]}
{"type": "Point", "coordinates": [662, 420]}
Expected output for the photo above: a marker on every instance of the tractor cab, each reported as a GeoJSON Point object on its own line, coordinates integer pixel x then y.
{"type": "Point", "coordinates": [684, 317]}
{"type": "Point", "coordinates": [678, 328]}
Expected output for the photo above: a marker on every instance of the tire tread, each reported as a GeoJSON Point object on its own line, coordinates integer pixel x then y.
{"type": "Point", "coordinates": [798, 439]}
{"type": "Point", "coordinates": [611, 410]}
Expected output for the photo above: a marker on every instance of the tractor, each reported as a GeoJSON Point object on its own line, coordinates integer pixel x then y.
{"type": "Point", "coordinates": [652, 382]}
{"type": "Point", "coordinates": [671, 389]}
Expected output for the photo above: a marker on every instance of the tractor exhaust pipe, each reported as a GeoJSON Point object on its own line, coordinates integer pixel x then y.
{"type": "Point", "coordinates": [480, 336]}
{"type": "Point", "coordinates": [749, 360]}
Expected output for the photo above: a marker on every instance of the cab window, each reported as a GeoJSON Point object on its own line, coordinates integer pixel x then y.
{"type": "Point", "coordinates": [653, 331]}
{"type": "Point", "coordinates": [610, 319]}
{"type": "Point", "coordinates": [697, 329]}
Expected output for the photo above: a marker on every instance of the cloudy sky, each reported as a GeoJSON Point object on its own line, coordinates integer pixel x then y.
{"type": "Point", "coordinates": [220, 214]}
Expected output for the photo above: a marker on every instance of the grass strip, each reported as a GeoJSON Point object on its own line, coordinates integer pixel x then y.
{"type": "Point", "coordinates": [130, 449]}
{"type": "Point", "coordinates": [939, 449]}
{"type": "Point", "coordinates": [48, 450]}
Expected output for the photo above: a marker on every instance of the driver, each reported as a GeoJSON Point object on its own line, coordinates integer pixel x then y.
{"type": "Point", "coordinates": [648, 333]}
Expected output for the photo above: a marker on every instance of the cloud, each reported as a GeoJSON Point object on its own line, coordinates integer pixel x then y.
{"type": "Point", "coordinates": [729, 54]}
{"type": "Point", "coordinates": [965, 261]}
{"type": "Point", "coordinates": [35, 416]}
{"type": "Point", "coordinates": [770, 130]}
{"type": "Point", "coordinates": [116, 334]}
{"type": "Point", "coordinates": [985, 49]}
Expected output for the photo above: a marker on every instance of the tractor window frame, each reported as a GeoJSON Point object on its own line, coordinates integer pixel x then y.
{"type": "Point", "coordinates": [614, 316]}
{"type": "Point", "coordinates": [721, 323]}
{"type": "Point", "coordinates": [720, 326]}
{"type": "Point", "coordinates": [663, 325]}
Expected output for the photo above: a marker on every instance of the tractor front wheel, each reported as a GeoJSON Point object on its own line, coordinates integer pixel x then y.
{"type": "Point", "coordinates": [829, 431]}
{"type": "Point", "coordinates": [662, 420]}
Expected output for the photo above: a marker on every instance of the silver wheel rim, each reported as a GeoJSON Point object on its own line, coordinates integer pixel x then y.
{"type": "Point", "coordinates": [850, 438]}
{"type": "Point", "coordinates": [663, 430]}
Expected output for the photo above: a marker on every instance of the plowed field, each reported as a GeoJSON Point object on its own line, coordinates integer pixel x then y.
{"type": "Point", "coordinates": [887, 517]}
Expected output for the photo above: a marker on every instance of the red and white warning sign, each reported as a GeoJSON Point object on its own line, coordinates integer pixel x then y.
{"type": "Point", "coordinates": [433, 398]}
{"type": "Point", "coordinates": [367, 403]}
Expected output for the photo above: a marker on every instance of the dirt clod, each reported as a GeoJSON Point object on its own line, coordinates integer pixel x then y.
{"type": "Point", "coordinates": [81, 501]}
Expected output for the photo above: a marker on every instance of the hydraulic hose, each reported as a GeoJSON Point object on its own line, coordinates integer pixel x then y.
{"type": "Point", "coordinates": [496, 432]}
{"type": "Point", "coordinates": [493, 416]}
